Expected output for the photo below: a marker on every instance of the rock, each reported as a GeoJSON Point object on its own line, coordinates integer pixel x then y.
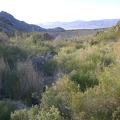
{"type": "Point", "coordinates": [0, 40]}
{"type": "Point", "coordinates": [57, 29]}
{"type": "Point", "coordinates": [47, 36]}
{"type": "Point", "coordinates": [117, 27]}
{"type": "Point", "coordinates": [18, 104]}
{"type": "Point", "coordinates": [38, 62]}
{"type": "Point", "coordinates": [35, 99]}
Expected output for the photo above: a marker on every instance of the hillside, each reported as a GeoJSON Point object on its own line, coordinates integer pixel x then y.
{"type": "Point", "coordinates": [79, 24]}
{"type": "Point", "coordinates": [9, 24]}
{"type": "Point", "coordinates": [71, 34]}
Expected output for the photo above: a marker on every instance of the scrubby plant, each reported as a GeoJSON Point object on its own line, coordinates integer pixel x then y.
{"type": "Point", "coordinates": [50, 67]}
{"type": "Point", "coordinates": [5, 110]}
{"type": "Point", "coordinates": [51, 97]}
{"type": "Point", "coordinates": [36, 37]}
{"type": "Point", "coordinates": [116, 114]}
{"type": "Point", "coordinates": [11, 55]}
{"type": "Point", "coordinates": [50, 114]}
{"type": "Point", "coordinates": [29, 77]}
{"type": "Point", "coordinates": [85, 80]}
{"type": "Point", "coordinates": [55, 96]}
{"type": "Point", "coordinates": [37, 113]}
{"type": "Point", "coordinates": [30, 80]}
{"type": "Point", "coordinates": [20, 115]}
{"type": "Point", "coordinates": [12, 86]}
{"type": "Point", "coordinates": [79, 45]}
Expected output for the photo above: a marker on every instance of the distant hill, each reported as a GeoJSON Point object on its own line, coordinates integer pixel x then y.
{"type": "Point", "coordinates": [56, 29]}
{"type": "Point", "coordinates": [105, 23]}
{"type": "Point", "coordinates": [9, 24]}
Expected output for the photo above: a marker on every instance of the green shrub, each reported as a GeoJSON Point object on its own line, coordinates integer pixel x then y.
{"type": "Point", "coordinates": [54, 97]}
{"type": "Point", "coordinates": [116, 114]}
{"type": "Point", "coordinates": [12, 86]}
{"type": "Point", "coordinates": [36, 37]}
{"type": "Point", "coordinates": [67, 62]}
{"type": "Point", "coordinates": [5, 110]}
{"type": "Point", "coordinates": [50, 114]}
{"type": "Point", "coordinates": [36, 113]}
{"type": "Point", "coordinates": [26, 114]}
{"type": "Point", "coordinates": [50, 67]}
{"type": "Point", "coordinates": [20, 115]}
{"type": "Point", "coordinates": [79, 45]}
{"type": "Point", "coordinates": [85, 80]}
{"type": "Point", "coordinates": [12, 54]}
{"type": "Point", "coordinates": [51, 97]}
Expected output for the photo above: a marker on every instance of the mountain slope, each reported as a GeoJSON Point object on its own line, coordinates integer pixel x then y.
{"type": "Point", "coordinates": [105, 23]}
{"type": "Point", "coordinates": [9, 24]}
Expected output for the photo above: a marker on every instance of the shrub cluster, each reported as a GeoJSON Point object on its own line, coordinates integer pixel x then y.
{"type": "Point", "coordinates": [85, 74]}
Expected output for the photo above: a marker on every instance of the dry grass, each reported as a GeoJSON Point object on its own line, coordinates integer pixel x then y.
{"type": "Point", "coordinates": [29, 78]}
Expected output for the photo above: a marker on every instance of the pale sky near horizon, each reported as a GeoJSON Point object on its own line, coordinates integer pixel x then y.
{"type": "Point", "coordinates": [41, 11]}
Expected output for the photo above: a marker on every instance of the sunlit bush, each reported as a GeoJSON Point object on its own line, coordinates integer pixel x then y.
{"type": "Point", "coordinates": [36, 113]}
{"type": "Point", "coordinates": [85, 80]}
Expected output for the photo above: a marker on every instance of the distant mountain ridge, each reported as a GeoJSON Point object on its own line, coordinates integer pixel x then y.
{"type": "Point", "coordinates": [9, 25]}
{"type": "Point", "coordinates": [79, 24]}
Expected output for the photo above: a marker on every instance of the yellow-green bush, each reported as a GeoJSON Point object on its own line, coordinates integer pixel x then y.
{"type": "Point", "coordinates": [85, 80]}
{"type": "Point", "coordinates": [36, 113]}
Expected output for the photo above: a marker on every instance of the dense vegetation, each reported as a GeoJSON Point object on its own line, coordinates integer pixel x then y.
{"type": "Point", "coordinates": [81, 77]}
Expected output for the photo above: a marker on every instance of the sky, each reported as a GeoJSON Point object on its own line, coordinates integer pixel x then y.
{"type": "Point", "coordinates": [41, 11]}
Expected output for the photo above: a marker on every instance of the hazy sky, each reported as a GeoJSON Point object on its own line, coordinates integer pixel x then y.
{"type": "Point", "coordinates": [40, 11]}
